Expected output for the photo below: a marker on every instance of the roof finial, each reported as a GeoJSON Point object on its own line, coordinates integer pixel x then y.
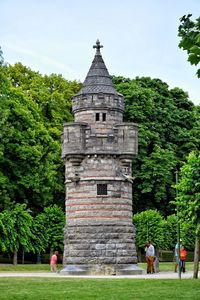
{"type": "Point", "coordinates": [98, 46]}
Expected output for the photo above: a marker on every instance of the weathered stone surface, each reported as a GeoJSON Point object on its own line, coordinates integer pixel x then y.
{"type": "Point", "coordinates": [100, 243]}
{"type": "Point", "coordinates": [97, 150]}
{"type": "Point", "coordinates": [102, 269]}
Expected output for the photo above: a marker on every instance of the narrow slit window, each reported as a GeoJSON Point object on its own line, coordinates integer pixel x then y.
{"type": "Point", "coordinates": [97, 116]}
{"type": "Point", "coordinates": [102, 189]}
{"type": "Point", "coordinates": [104, 117]}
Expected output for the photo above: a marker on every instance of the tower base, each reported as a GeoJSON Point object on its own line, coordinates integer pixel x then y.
{"type": "Point", "coordinates": [104, 269]}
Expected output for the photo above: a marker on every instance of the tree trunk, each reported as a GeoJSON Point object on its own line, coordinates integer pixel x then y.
{"type": "Point", "coordinates": [39, 258]}
{"type": "Point", "coordinates": [51, 253]}
{"type": "Point", "coordinates": [23, 257]}
{"type": "Point", "coordinates": [15, 258]}
{"type": "Point", "coordinates": [196, 257]}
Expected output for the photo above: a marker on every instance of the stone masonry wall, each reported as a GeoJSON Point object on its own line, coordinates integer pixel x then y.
{"type": "Point", "coordinates": [81, 138]}
{"type": "Point", "coordinates": [98, 101]}
{"type": "Point", "coordinates": [97, 244]}
{"type": "Point", "coordinates": [86, 240]}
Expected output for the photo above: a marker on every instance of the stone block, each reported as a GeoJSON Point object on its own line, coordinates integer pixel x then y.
{"type": "Point", "coordinates": [100, 246]}
{"type": "Point", "coordinates": [111, 253]}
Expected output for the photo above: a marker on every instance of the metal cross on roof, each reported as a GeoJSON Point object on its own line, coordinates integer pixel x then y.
{"type": "Point", "coordinates": [98, 46]}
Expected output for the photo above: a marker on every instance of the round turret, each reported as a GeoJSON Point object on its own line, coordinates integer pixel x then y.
{"type": "Point", "coordinates": [98, 100]}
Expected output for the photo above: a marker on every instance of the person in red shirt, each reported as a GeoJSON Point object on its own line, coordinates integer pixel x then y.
{"type": "Point", "coordinates": [53, 262]}
{"type": "Point", "coordinates": [183, 254]}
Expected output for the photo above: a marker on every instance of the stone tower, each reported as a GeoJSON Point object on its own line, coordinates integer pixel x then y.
{"type": "Point", "coordinates": [97, 150]}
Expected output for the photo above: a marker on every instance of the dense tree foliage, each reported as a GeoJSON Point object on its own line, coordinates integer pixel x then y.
{"type": "Point", "coordinates": [18, 230]}
{"type": "Point", "coordinates": [53, 220]}
{"type": "Point", "coordinates": [189, 32]}
{"type": "Point", "coordinates": [32, 111]}
{"type": "Point", "coordinates": [187, 233]}
{"type": "Point", "coordinates": [27, 163]}
{"type": "Point", "coordinates": [170, 232]}
{"type": "Point", "coordinates": [168, 130]}
{"type": "Point", "coordinates": [40, 237]}
{"type": "Point", "coordinates": [21, 232]}
{"type": "Point", "coordinates": [149, 226]}
{"type": "Point", "coordinates": [188, 199]}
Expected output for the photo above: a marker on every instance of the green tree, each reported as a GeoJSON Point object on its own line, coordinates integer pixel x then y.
{"type": "Point", "coordinates": [170, 230]}
{"type": "Point", "coordinates": [53, 219]}
{"type": "Point", "coordinates": [156, 175]}
{"type": "Point", "coordinates": [51, 96]}
{"type": "Point", "coordinates": [27, 168]}
{"type": "Point", "coordinates": [18, 230]}
{"type": "Point", "coordinates": [168, 131]}
{"type": "Point", "coordinates": [189, 32]}
{"type": "Point", "coordinates": [187, 233]}
{"type": "Point", "coordinates": [149, 226]}
{"type": "Point", "coordinates": [39, 239]}
{"type": "Point", "coordinates": [188, 199]}
{"type": "Point", "coordinates": [52, 93]}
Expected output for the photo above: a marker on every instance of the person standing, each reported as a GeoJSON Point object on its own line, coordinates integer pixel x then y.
{"type": "Point", "coordinates": [150, 254]}
{"type": "Point", "coordinates": [54, 262]}
{"type": "Point", "coordinates": [183, 254]}
{"type": "Point", "coordinates": [176, 255]}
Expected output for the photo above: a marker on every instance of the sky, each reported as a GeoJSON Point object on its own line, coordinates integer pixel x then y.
{"type": "Point", "coordinates": [140, 38]}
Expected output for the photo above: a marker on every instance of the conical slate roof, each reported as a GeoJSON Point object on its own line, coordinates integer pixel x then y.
{"type": "Point", "coordinates": [98, 79]}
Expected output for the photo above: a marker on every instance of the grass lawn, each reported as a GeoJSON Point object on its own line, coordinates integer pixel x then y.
{"type": "Point", "coordinates": [21, 288]}
{"type": "Point", "coordinates": [166, 266]}
{"type": "Point", "coordinates": [169, 266]}
{"type": "Point", "coordinates": [25, 268]}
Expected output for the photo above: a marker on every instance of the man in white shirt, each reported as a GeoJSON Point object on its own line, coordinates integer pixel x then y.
{"type": "Point", "coordinates": [150, 254]}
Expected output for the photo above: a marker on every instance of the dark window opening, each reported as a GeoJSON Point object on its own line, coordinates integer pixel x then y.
{"type": "Point", "coordinates": [104, 117]}
{"type": "Point", "coordinates": [97, 116]}
{"type": "Point", "coordinates": [101, 189]}
{"type": "Point", "coordinates": [126, 170]}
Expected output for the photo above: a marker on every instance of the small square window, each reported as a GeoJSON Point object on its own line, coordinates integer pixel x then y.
{"type": "Point", "coordinates": [102, 189]}
{"type": "Point", "coordinates": [126, 170]}
{"type": "Point", "coordinates": [104, 117]}
{"type": "Point", "coordinates": [97, 116]}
